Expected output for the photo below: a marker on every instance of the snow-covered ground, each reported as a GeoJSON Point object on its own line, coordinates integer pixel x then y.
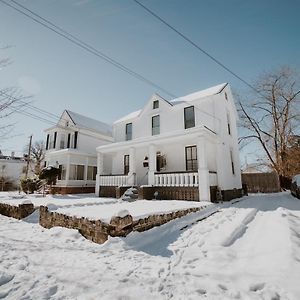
{"type": "Point", "coordinates": [13, 198]}
{"type": "Point", "coordinates": [246, 250]}
{"type": "Point", "coordinates": [95, 208]}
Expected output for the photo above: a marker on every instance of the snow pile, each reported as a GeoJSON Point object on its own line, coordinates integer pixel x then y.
{"type": "Point", "coordinates": [296, 179]}
{"type": "Point", "coordinates": [246, 250]}
{"type": "Point", "coordinates": [122, 213]}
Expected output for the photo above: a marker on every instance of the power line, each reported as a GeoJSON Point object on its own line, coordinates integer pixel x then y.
{"type": "Point", "coordinates": [73, 39]}
{"type": "Point", "coordinates": [196, 46]}
{"type": "Point", "coordinates": [86, 47]}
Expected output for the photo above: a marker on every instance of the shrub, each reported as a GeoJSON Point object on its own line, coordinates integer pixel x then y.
{"type": "Point", "coordinates": [30, 185]}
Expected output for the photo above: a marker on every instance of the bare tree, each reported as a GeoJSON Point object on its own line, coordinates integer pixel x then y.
{"type": "Point", "coordinates": [11, 101]}
{"type": "Point", "coordinates": [273, 117]}
{"type": "Point", "coordinates": [37, 156]}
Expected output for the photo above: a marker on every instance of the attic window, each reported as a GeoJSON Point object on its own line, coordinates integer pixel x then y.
{"type": "Point", "coordinates": [67, 123]}
{"type": "Point", "coordinates": [226, 97]}
{"type": "Point", "coordinates": [155, 104]}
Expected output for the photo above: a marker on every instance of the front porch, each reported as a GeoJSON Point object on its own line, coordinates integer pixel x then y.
{"type": "Point", "coordinates": [181, 185]}
{"type": "Point", "coordinates": [176, 167]}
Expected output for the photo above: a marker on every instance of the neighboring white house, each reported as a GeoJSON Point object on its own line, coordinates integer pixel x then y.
{"type": "Point", "coordinates": [182, 149]}
{"type": "Point", "coordinates": [12, 169]}
{"type": "Point", "coordinates": [71, 146]}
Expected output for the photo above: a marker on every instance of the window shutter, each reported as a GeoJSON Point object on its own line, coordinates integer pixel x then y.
{"type": "Point", "coordinates": [54, 142]}
{"type": "Point", "coordinates": [47, 142]}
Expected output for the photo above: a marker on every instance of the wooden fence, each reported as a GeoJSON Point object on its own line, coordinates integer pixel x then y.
{"type": "Point", "coordinates": [261, 182]}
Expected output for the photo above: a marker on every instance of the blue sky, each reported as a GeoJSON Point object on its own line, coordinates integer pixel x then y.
{"type": "Point", "coordinates": [250, 37]}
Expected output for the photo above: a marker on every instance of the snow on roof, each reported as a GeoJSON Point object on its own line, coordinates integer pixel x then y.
{"type": "Point", "coordinates": [129, 116]}
{"type": "Point", "coordinates": [200, 94]}
{"type": "Point", "coordinates": [197, 95]}
{"type": "Point", "coordinates": [89, 123]}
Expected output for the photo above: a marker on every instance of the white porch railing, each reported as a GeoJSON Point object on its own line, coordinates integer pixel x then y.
{"type": "Point", "coordinates": [113, 180]}
{"type": "Point", "coordinates": [176, 179]}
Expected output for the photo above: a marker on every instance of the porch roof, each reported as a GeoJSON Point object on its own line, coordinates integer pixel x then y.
{"type": "Point", "coordinates": [67, 151]}
{"type": "Point", "coordinates": [165, 138]}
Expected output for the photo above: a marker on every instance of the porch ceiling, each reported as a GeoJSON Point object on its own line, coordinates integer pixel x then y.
{"type": "Point", "coordinates": [160, 139]}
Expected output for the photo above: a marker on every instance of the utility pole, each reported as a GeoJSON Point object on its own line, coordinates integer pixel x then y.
{"type": "Point", "coordinates": [28, 158]}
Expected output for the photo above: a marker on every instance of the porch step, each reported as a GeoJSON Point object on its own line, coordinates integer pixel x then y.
{"type": "Point", "coordinates": [131, 194]}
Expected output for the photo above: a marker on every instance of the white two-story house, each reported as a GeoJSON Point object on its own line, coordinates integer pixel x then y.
{"type": "Point", "coordinates": [71, 146]}
{"type": "Point", "coordinates": [186, 148]}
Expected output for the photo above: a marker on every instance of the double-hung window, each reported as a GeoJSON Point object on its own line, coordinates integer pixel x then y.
{"type": "Point", "coordinates": [128, 131]}
{"type": "Point", "coordinates": [126, 164]}
{"type": "Point", "coordinates": [191, 161]}
{"type": "Point", "coordinates": [155, 104]}
{"type": "Point", "coordinates": [155, 125]}
{"type": "Point", "coordinates": [189, 117]}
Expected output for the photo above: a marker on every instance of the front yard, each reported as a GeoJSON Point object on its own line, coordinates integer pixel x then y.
{"type": "Point", "coordinates": [246, 250]}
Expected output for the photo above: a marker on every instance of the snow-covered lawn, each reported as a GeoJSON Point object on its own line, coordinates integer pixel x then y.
{"type": "Point", "coordinates": [13, 198]}
{"type": "Point", "coordinates": [95, 208]}
{"type": "Point", "coordinates": [138, 209]}
{"type": "Point", "coordinates": [246, 250]}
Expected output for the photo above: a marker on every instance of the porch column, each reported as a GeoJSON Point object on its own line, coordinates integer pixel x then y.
{"type": "Point", "coordinates": [132, 167]}
{"type": "Point", "coordinates": [68, 169]}
{"type": "Point", "coordinates": [152, 164]}
{"type": "Point", "coordinates": [100, 168]}
{"type": "Point", "coordinates": [203, 173]}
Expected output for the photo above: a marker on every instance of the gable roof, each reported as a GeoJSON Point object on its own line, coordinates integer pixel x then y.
{"type": "Point", "coordinates": [197, 95]}
{"type": "Point", "coordinates": [214, 90]}
{"type": "Point", "coordinates": [88, 123]}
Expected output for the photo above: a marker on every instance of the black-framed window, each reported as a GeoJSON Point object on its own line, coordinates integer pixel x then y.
{"type": "Point", "coordinates": [155, 104]}
{"type": "Point", "coordinates": [191, 162]}
{"type": "Point", "coordinates": [126, 164]}
{"type": "Point", "coordinates": [47, 142]}
{"type": "Point", "coordinates": [232, 163]}
{"type": "Point", "coordinates": [228, 124]}
{"type": "Point", "coordinates": [155, 125]}
{"type": "Point", "coordinates": [75, 139]}
{"type": "Point", "coordinates": [91, 173]}
{"type": "Point", "coordinates": [189, 117]}
{"type": "Point", "coordinates": [69, 140]}
{"type": "Point", "coordinates": [128, 131]}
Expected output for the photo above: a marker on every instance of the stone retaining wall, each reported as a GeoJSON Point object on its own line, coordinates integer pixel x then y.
{"type": "Point", "coordinates": [98, 231]}
{"type": "Point", "coordinates": [17, 212]}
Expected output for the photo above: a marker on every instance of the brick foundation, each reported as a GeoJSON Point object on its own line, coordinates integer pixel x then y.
{"type": "Point", "coordinates": [108, 191]}
{"type": "Point", "coordinates": [169, 193]}
{"type": "Point", "coordinates": [98, 231]}
{"type": "Point", "coordinates": [73, 189]}
{"type": "Point", "coordinates": [17, 212]}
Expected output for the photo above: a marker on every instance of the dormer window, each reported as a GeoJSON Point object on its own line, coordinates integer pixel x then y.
{"type": "Point", "coordinates": [128, 131]}
{"type": "Point", "coordinates": [155, 104]}
{"type": "Point", "coordinates": [189, 117]}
